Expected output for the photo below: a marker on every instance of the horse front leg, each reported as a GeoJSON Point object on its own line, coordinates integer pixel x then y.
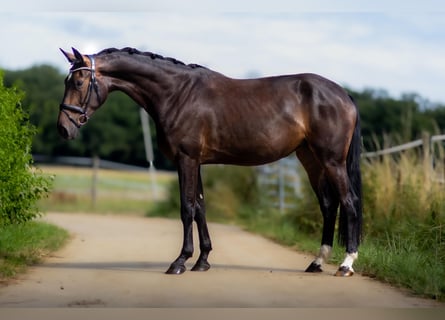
{"type": "Point", "coordinates": [188, 180]}
{"type": "Point", "coordinates": [205, 244]}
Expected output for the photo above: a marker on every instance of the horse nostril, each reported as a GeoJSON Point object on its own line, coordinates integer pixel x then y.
{"type": "Point", "coordinates": [62, 131]}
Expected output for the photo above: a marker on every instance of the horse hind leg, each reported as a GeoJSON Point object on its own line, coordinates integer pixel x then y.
{"type": "Point", "coordinates": [328, 201]}
{"type": "Point", "coordinates": [328, 205]}
{"type": "Point", "coordinates": [350, 218]}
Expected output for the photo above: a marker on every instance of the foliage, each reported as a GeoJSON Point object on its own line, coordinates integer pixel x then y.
{"type": "Point", "coordinates": [229, 190]}
{"type": "Point", "coordinates": [25, 244]}
{"type": "Point", "coordinates": [21, 186]}
{"type": "Point", "coordinates": [384, 117]}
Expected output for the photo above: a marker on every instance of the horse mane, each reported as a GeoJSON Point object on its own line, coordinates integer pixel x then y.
{"type": "Point", "coordinates": [152, 55]}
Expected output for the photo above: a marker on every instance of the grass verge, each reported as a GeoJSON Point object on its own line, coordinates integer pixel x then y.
{"type": "Point", "coordinates": [26, 244]}
{"type": "Point", "coordinates": [397, 259]}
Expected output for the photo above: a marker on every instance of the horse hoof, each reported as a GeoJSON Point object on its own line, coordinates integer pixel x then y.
{"type": "Point", "coordinates": [201, 266]}
{"type": "Point", "coordinates": [176, 269]}
{"type": "Point", "coordinates": [313, 267]}
{"type": "Point", "coordinates": [344, 272]}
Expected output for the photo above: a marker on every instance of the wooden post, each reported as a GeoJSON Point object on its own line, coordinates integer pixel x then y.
{"type": "Point", "coordinates": [427, 166]}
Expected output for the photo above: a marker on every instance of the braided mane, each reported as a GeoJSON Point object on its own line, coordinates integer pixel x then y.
{"type": "Point", "coordinates": [149, 54]}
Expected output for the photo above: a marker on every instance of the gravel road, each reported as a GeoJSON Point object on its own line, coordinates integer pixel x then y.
{"type": "Point", "coordinates": [119, 261]}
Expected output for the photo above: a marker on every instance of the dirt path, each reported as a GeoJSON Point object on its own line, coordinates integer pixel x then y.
{"type": "Point", "coordinates": [115, 261]}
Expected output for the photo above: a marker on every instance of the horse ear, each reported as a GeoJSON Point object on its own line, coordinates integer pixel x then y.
{"type": "Point", "coordinates": [77, 55]}
{"type": "Point", "coordinates": [69, 56]}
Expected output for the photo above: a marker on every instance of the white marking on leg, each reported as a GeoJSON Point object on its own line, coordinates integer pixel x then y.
{"type": "Point", "coordinates": [323, 255]}
{"type": "Point", "coordinates": [349, 260]}
{"type": "Point", "coordinates": [201, 196]}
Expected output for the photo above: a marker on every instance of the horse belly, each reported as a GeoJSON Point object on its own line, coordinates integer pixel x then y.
{"type": "Point", "coordinates": [255, 149]}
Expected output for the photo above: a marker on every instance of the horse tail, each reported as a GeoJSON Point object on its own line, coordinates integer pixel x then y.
{"type": "Point", "coordinates": [355, 185]}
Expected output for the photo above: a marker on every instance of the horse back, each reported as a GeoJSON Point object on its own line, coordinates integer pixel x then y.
{"type": "Point", "coordinates": [255, 121]}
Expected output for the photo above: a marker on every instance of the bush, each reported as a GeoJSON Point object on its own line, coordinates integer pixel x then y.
{"type": "Point", "coordinates": [21, 185]}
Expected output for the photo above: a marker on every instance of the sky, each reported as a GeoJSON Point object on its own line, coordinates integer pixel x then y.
{"type": "Point", "coordinates": [398, 45]}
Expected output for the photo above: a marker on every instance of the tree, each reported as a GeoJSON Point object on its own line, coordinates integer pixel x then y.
{"type": "Point", "coordinates": [399, 120]}
{"type": "Point", "coordinates": [20, 185]}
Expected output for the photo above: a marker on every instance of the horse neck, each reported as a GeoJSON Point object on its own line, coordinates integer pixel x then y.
{"type": "Point", "coordinates": [149, 82]}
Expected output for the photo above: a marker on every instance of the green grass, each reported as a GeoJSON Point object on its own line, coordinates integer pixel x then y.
{"type": "Point", "coordinates": [26, 244]}
{"type": "Point", "coordinates": [396, 259]}
{"type": "Point", "coordinates": [402, 261]}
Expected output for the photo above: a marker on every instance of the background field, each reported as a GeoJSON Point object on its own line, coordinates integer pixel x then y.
{"type": "Point", "coordinates": [130, 192]}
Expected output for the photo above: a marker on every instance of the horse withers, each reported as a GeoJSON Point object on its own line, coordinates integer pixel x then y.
{"type": "Point", "coordinates": [203, 117]}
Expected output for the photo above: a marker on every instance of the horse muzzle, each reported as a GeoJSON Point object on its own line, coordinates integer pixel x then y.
{"type": "Point", "coordinates": [69, 130]}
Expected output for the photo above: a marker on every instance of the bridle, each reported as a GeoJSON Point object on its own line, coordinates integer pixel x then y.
{"type": "Point", "coordinates": [82, 110]}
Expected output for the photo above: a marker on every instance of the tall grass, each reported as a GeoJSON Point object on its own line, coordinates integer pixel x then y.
{"type": "Point", "coordinates": [404, 210]}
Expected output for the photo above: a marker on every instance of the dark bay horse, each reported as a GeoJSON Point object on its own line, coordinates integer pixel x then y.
{"type": "Point", "coordinates": [204, 117]}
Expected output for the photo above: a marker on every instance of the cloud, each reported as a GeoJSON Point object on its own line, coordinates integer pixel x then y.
{"type": "Point", "coordinates": [401, 52]}
{"type": "Point", "coordinates": [256, 6]}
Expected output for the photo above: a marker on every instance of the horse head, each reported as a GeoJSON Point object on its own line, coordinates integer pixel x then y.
{"type": "Point", "coordinates": [84, 94]}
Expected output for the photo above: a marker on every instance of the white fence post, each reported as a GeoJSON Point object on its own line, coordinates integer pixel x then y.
{"type": "Point", "coordinates": [149, 151]}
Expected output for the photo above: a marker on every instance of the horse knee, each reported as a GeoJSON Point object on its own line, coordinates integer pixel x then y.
{"type": "Point", "coordinates": [187, 213]}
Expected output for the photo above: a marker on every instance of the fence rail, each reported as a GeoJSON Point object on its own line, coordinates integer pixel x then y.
{"type": "Point", "coordinates": [86, 162]}
{"type": "Point", "coordinates": [402, 147]}
{"type": "Point", "coordinates": [281, 179]}
{"type": "Point", "coordinates": [409, 145]}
